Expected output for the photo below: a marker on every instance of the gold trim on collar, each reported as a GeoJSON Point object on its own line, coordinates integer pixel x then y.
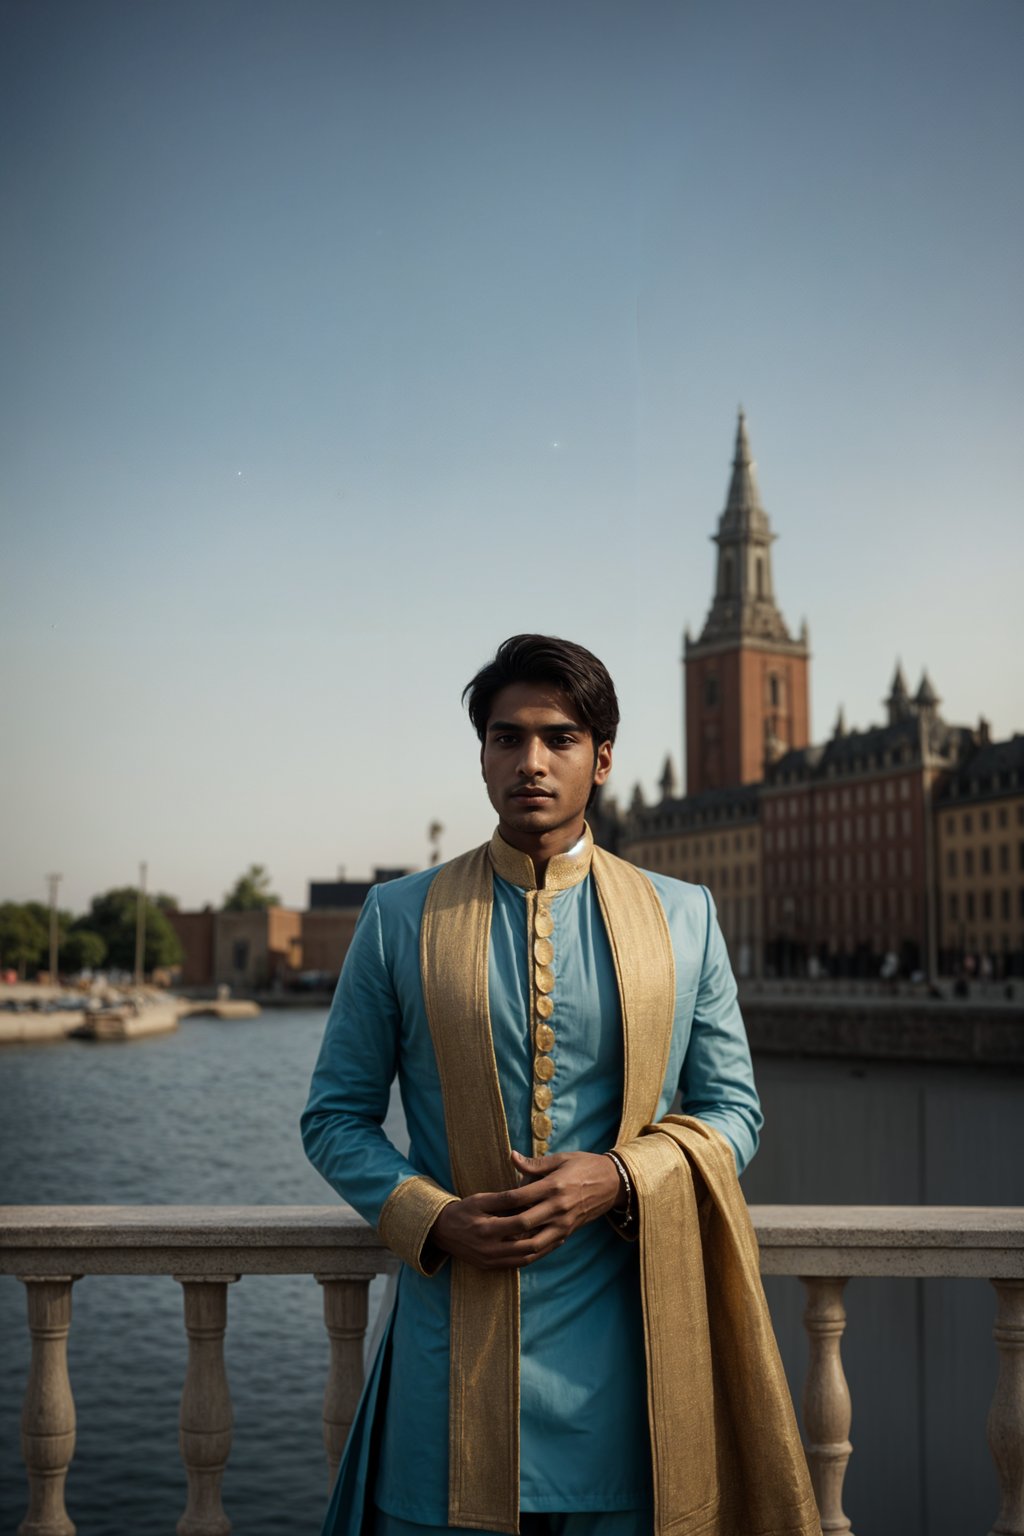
{"type": "Point", "coordinates": [563, 872]}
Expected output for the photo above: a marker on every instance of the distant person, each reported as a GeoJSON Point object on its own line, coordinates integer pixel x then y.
{"type": "Point", "coordinates": [541, 1003]}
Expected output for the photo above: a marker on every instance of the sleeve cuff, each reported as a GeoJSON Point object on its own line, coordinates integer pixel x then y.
{"type": "Point", "coordinates": [409, 1213]}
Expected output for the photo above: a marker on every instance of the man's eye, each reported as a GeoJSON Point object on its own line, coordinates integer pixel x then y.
{"type": "Point", "coordinates": [562, 741]}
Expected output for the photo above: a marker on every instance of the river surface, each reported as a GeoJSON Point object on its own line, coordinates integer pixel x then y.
{"type": "Point", "coordinates": [208, 1115]}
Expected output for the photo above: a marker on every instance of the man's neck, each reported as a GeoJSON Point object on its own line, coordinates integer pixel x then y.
{"type": "Point", "coordinates": [542, 847]}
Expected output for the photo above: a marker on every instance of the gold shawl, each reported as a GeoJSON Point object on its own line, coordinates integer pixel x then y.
{"type": "Point", "coordinates": [711, 1354]}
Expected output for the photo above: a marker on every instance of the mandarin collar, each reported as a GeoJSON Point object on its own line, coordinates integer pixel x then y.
{"type": "Point", "coordinates": [564, 870]}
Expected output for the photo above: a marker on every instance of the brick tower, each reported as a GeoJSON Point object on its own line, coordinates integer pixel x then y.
{"type": "Point", "coordinates": [745, 678]}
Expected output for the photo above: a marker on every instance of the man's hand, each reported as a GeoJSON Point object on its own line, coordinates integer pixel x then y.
{"type": "Point", "coordinates": [514, 1227]}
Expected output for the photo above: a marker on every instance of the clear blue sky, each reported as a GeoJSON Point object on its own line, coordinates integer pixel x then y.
{"type": "Point", "coordinates": [340, 341]}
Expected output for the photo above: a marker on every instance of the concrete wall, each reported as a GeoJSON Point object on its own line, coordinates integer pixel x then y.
{"type": "Point", "coordinates": [919, 1355]}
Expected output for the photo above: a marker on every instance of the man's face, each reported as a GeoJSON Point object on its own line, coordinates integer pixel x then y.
{"type": "Point", "coordinates": [539, 764]}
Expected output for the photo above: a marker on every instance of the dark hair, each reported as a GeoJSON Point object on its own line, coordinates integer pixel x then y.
{"type": "Point", "coordinates": [545, 659]}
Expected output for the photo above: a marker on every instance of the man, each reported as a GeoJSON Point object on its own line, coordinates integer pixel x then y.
{"type": "Point", "coordinates": [541, 1004]}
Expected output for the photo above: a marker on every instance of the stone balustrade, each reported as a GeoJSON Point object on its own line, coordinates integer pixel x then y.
{"type": "Point", "coordinates": [207, 1248]}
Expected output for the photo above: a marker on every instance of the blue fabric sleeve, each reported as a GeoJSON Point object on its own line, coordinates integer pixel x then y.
{"type": "Point", "coordinates": [717, 1078]}
{"type": "Point", "coordinates": [342, 1124]}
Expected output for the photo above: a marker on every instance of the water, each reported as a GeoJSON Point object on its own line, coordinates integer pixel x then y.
{"type": "Point", "coordinates": [206, 1115]}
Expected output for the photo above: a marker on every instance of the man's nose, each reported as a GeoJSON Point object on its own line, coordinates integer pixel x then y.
{"type": "Point", "coordinates": [532, 758]}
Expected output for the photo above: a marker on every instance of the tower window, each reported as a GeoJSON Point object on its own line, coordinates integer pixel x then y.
{"type": "Point", "coordinates": [711, 691]}
{"type": "Point", "coordinates": [760, 578]}
{"type": "Point", "coordinates": [727, 575]}
{"type": "Point", "coordinates": [774, 690]}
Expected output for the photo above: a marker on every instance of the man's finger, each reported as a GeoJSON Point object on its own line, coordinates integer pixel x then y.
{"type": "Point", "coordinates": [503, 1202]}
{"type": "Point", "coordinates": [526, 1250]}
{"type": "Point", "coordinates": [537, 1167]}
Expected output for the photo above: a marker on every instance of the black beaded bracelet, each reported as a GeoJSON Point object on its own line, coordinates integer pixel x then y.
{"type": "Point", "coordinates": [622, 1219]}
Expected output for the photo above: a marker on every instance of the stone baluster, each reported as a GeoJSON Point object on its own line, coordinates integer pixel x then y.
{"type": "Point", "coordinates": [48, 1413]}
{"type": "Point", "coordinates": [345, 1303]}
{"type": "Point", "coordinates": [827, 1400]}
{"type": "Point", "coordinates": [1006, 1415]}
{"type": "Point", "coordinates": [205, 1421]}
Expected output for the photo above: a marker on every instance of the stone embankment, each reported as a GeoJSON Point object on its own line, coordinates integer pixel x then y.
{"type": "Point", "coordinates": [978, 1031]}
{"type": "Point", "coordinates": [30, 1014]}
{"type": "Point", "coordinates": [217, 1008]}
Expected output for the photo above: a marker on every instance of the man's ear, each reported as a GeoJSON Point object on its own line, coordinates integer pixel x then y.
{"type": "Point", "coordinates": [602, 762]}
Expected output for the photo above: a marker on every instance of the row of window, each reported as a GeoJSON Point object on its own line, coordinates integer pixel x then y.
{"type": "Point", "coordinates": [987, 947]}
{"type": "Point", "coordinates": [712, 695]}
{"type": "Point", "coordinates": [985, 860]}
{"type": "Point", "coordinates": [847, 906]}
{"type": "Point", "coordinates": [850, 828]}
{"type": "Point", "coordinates": [897, 862]}
{"type": "Point", "coordinates": [838, 799]}
{"type": "Point", "coordinates": [668, 823]}
{"type": "Point", "coordinates": [988, 905]}
{"type": "Point", "coordinates": [964, 820]}
{"type": "Point", "coordinates": [678, 857]}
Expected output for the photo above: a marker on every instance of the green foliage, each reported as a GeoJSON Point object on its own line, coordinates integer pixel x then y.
{"type": "Point", "coordinates": [112, 916]}
{"type": "Point", "coordinates": [24, 936]}
{"type": "Point", "coordinates": [82, 950]}
{"type": "Point", "coordinates": [251, 891]}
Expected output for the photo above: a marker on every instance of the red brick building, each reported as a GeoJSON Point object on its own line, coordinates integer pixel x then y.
{"type": "Point", "coordinates": [849, 842]}
{"type": "Point", "coordinates": [745, 678]}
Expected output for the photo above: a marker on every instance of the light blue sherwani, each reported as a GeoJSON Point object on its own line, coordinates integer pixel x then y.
{"type": "Point", "coordinates": [582, 1362]}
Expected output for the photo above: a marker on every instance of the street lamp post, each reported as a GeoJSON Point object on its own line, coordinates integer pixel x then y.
{"type": "Point", "coordinates": [140, 929]}
{"type": "Point", "coordinates": [53, 881]}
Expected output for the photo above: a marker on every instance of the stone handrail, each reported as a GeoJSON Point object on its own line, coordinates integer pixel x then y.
{"type": "Point", "coordinates": [207, 1248]}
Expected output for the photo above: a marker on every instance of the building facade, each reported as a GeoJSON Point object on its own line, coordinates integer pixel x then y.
{"type": "Point", "coordinates": [980, 858]}
{"type": "Point", "coordinates": [257, 948]}
{"type": "Point", "coordinates": [849, 855]}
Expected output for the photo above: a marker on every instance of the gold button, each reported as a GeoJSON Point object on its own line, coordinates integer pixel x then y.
{"type": "Point", "coordinates": [545, 1037]}
{"type": "Point", "coordinates": [543, 951]}
{"type": "Point", "coordinates": [543, 923]}
{"type": "Point", "coordinates": [541, 1125]}
{"type": "Point", "coordinates": [540, 1149]}
{"type": "Point", "coordinates": [545, 1007]}
{"type": "Point", "coordinates": [545, 978]}
{"type": "Point", "coordinates": [542, 1096]}
{"type": "Point", "coordinates": [543, 1069]}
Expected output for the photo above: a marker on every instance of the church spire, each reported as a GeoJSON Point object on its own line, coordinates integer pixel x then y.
{"type": "Point", "coordinates": [744, 603]}
{"type": "Point", "coordinates": [898, 702]}
{"type": "Point", "coordinates": [743, 507]}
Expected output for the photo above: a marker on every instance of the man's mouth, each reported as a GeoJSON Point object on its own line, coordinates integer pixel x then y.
{"type": "Point", "coordinates": [532, 793]}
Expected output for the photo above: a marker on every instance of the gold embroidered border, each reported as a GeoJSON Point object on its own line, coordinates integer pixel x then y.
{"type": "Point", "coordinates": [645, 966]}
{"type": "Point", "coordinates": [483, 1404]}
{"type": "Point", "coordinates": [407, 1216]}
{"type": "Point", "coordinates": [726, 1449]}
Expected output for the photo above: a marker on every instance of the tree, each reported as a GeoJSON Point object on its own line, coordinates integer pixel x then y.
{"type": "Point", "coordinates": [24, 936]}
{"type": "Point", "coordinates": [113, 916]}
{"type": "Point", "coordinates": [82, 950]}
{"type": "Point", "coordinates": [251, 891]}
